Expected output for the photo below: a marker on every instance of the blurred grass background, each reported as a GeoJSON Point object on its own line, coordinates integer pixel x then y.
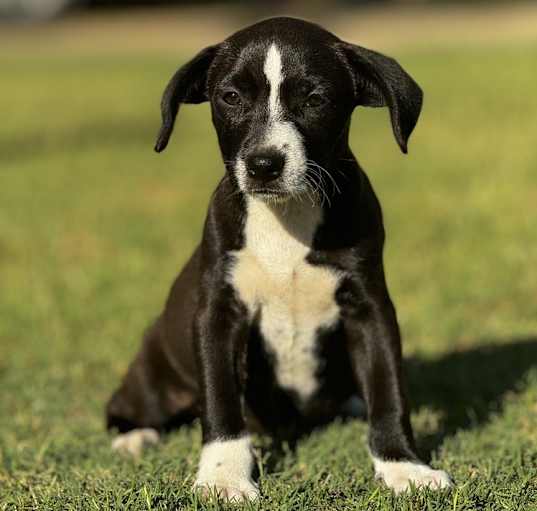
{"type": "Point", "coordinates": [94, 226]}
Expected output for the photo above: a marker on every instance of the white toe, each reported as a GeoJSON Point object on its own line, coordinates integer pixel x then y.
{"type": "Point", "coordinates": [237, 491]}
{"type": "Point", "coordinates": [401, 475]}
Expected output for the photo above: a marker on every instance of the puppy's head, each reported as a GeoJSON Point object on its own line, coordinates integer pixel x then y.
{"type": "Point", "coordinates": [282, 92]}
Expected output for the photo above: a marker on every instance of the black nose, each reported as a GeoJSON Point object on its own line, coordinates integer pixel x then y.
{"type": "Point", "coordinates": [265, 166]}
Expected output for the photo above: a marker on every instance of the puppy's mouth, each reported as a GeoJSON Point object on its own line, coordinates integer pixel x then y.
{"type": "Point", "coordinates": [269, 194]}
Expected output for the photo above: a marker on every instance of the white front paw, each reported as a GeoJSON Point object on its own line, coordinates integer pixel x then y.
{"type": "Point", "coordinates": [237, 490]}
{"type": "Point", "coordinates": [400, 475]}
{"type": "Point", "coordinates": [225, 469]}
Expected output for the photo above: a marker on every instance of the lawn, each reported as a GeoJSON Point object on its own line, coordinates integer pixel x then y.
{"type": "Point", "coordinates": [94, 226]}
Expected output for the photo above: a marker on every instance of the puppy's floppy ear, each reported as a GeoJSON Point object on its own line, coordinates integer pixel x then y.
{"type": "Point", "coordinates": [381, 81]}
{"type": "Point", "coordinates": [187, 85]}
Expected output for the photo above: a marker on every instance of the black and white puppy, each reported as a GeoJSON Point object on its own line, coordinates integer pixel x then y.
{"type": "Point", "coordinates": [282, 314]}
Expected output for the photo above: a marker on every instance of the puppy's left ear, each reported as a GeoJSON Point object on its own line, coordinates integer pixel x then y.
{"type": "Point", "coordinates": [187, 85]}
{"type": "Point", "coordinates": [381, 81]}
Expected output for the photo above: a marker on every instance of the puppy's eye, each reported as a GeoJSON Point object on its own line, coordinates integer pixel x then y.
{"type": "Point", "coordinates": [231, 98]}
{"type": "Point", "coordinates": [314, 101]}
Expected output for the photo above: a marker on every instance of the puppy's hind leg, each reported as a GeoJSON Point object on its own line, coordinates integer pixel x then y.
{"type": "Point", "coordinates": [152, 398]}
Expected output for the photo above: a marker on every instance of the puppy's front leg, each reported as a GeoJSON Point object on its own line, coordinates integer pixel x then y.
{"type": "Point", "coordinates": [226, 461]}
{"type": "Point", "coordinates": [375, 350]}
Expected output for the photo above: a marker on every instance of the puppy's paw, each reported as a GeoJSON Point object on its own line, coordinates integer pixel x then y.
{"type": "Point", "coordinates": [235, 490]}
{"type": "Point", "coordinates": [225, 469]}
{"type": "Point", "coordinates": [400, 475]}
{"type": "Point", "coordinates": [134, 442]}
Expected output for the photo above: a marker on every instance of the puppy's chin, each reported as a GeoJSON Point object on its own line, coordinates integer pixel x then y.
{"type": "Point", "coordinates": [278, 197]}
{"type": "Point", "coordinates": [270, 196]}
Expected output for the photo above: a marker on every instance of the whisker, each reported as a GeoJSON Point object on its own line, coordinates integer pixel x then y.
{"type": "Point", "coordinates": [320, 183]}
{"type": "Point", "coordinates": [318, 171]}
{"type": "Point", "coordinates": [319, 187]}
{"type": "Point", "coordinates": [345, 176]}
{"type": "Point", "coordinates": [322, 169]}
{"type": "Point", "coordinates": [231, 195]}
{"type": "Point", "coordinates": [310, 188]}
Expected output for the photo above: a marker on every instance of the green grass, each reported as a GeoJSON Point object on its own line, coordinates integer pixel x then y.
{"type": "Point", "coordinates": [94, 226]}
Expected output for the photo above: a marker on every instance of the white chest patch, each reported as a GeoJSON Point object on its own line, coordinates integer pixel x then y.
{"type": "Point", "coordinates": [293, 297]}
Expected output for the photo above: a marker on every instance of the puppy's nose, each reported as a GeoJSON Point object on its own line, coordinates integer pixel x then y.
{"type": "Point", "coordinates": [265, 166]}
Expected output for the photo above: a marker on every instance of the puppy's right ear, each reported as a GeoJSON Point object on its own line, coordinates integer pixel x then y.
{"type": "Point", "coordinates": [381, 81]}
{"type": "Point", "coordinates": [188, 85]}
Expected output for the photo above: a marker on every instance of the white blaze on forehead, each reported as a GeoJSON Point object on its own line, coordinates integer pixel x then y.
{"type": "Point", "coordinates": [273, 72]}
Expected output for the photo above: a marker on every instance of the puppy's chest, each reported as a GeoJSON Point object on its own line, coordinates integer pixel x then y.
{"type": "Point", "coordinates": [292, 299]}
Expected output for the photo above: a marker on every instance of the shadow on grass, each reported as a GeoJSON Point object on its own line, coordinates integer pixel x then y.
{"type": "Point", "coordinates": [466, 387]}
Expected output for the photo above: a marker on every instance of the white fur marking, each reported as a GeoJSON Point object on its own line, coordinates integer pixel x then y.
{"type": "Point", "coordinates": [241, 173]}
{"type": "Point", "coordinates": [398, 475]}
{"type": "Point", "coordinates": [273, 72]}
{"type": "Point", "coordinates": [134, 442]}
{"type": "Point", "coordinates": [226, 467]}
{"type": "Point", "coordinates": [294, 297]}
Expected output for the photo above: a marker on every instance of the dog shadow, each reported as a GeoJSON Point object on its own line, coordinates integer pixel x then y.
{"type": "Point", "coordinates": [466, 387]}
